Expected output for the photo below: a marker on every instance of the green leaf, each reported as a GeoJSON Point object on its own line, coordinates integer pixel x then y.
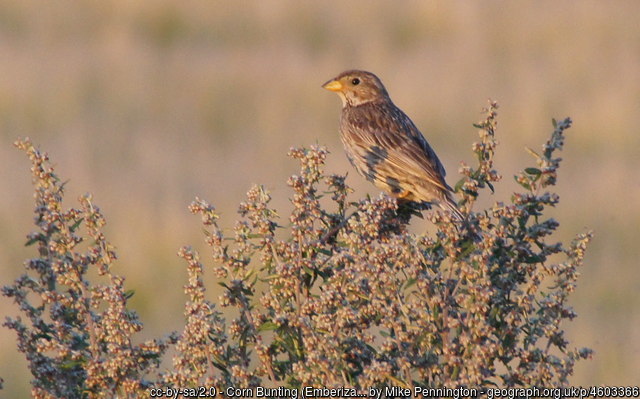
{"type": "Point", "coordinates": [534, 259]}
{"type": "Point", "coordinates": [248, 275]}
{"type": "Point", "coordinates": [270, 277]}
{"type": "Point", "coordinates": [268, 326]}
{"type": "Point", "coordinates": [533, 171]}
{"type": "Point", "coordinates": [493, 313]}
{"type": "Point", "coordinates": [554, 123]}
{"type": "Point", "coordinates": [410, 282]}
{"type": "Point", "coordinates": [324, 251]}
{"type": "Point", "coordinates": [456, 371]}
{"type": "Point", "coordinates": [220, 366]}
{"type": "Point", "coordinates": [468, 247]}
{"type": "Point", "coordinates": [459, 184]}
{"type": "Point", "coordinates": [523, 184]}
{"type": "Point", "coordinates": [324, 274]}
{"type": "Point", "coordinates": [491, 187]}
{"type": "Point", "coordinates": [74, 226]}
{"type": "Point", "coordinates": [70, 364]}
{"type": "Point", "coordinates": [38, 237]}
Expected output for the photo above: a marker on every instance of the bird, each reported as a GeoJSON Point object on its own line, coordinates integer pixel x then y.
{"type": "Point", "coordinates": [385, 146]}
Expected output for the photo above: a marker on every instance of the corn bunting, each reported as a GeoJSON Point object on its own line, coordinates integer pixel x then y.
{"type": "Point", "coordinates": [384, 145]}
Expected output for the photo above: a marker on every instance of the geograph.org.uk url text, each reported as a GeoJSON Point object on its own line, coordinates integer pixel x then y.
{"type": "Point", "coordinates": [400, 392]}
{"type": "Point", "coordinates": [561, 393]}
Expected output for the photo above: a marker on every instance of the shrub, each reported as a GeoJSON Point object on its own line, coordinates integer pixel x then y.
{"type": "Point", "coordinates": [339, 295]}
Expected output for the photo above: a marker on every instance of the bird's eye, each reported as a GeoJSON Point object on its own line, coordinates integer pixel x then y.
{"type": "Point", "coordinates": [355, 81]}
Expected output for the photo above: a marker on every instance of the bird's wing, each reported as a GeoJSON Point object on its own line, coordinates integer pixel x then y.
{"type": "Point", "coordinates": [389, 144]}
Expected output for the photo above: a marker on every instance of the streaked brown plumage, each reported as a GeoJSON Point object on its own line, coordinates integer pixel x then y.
{"type": "Point", "coordinates": [384, 145]}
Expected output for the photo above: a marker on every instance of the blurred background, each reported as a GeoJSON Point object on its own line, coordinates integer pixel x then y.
{"type": "Point", "coordinates": [147, 104]}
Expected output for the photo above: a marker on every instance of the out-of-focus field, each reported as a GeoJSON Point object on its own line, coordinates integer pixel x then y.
{"type": "Point", "coordinates": [147, 104]}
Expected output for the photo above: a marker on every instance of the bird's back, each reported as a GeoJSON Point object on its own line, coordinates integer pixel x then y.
{"type": "Point", "coordinates": [386, 148]}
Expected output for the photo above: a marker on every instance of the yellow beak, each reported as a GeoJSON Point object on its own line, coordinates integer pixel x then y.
{"type": "Point", "coordinates": [333, 85]}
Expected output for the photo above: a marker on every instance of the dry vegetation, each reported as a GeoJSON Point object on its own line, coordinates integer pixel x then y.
{"type": "Point", "coordinates": [339, 295]}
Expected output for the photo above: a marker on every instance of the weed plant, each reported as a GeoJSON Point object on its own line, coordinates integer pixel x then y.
{"type": "Point", "coordinates": [337, 294]}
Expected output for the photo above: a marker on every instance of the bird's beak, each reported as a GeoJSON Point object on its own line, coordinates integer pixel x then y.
{"type": "Point", "coordinates": [333, 85]}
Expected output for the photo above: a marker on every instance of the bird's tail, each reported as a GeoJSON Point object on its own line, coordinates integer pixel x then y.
{"type": "Point", "coordinates": [448, 204]}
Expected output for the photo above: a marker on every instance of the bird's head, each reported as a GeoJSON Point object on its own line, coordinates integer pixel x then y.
{"type": "Point", "coordinates": [357, 87]}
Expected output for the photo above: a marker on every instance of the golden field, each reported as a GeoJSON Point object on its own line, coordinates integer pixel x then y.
{"type": "Point", "coordinates": [148, 104]}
